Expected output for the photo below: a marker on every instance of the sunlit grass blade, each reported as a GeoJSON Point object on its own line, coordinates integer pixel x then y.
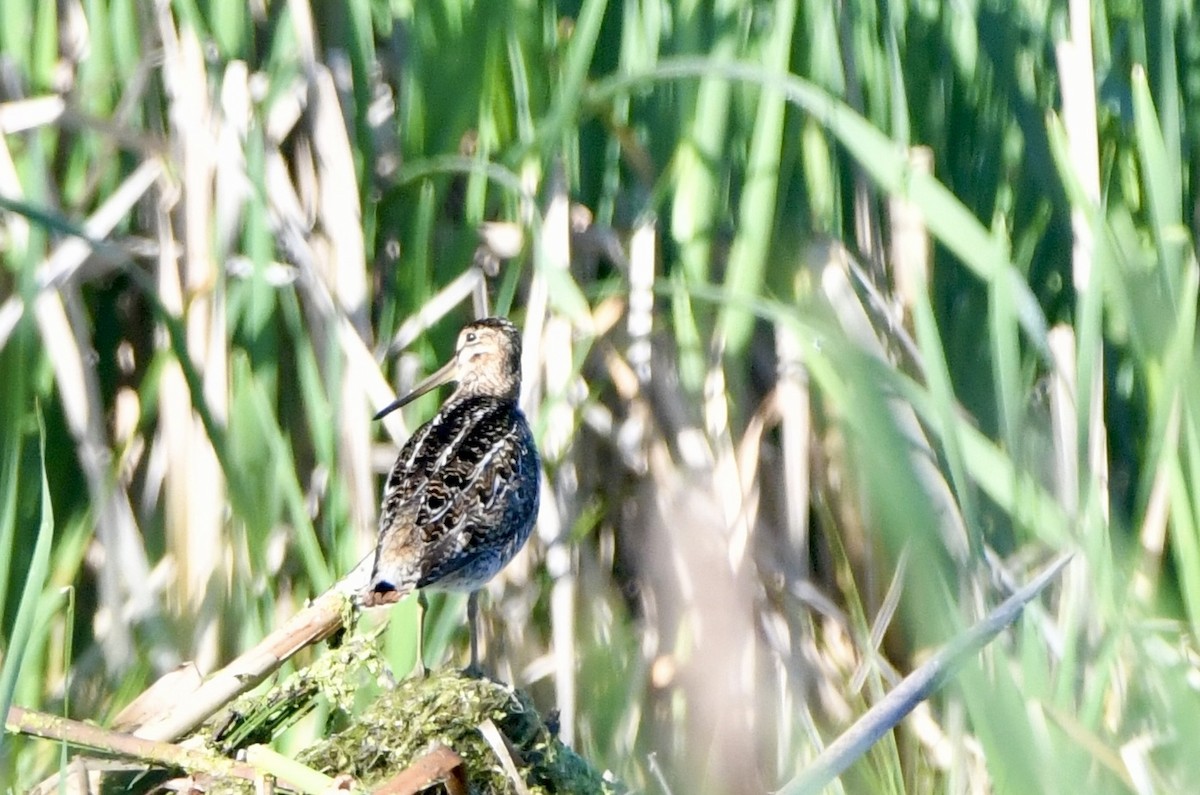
{"type": "Point", "coordinates": [751, 245]}
{"type": "Point", "coordinates": [949, 220]}
{"type": "Point", "coordinates": [1161, 169]}
{"type": "Point", "coordinates": [916, 687]}
{"type": "Point", "coordinates": [32, 601]}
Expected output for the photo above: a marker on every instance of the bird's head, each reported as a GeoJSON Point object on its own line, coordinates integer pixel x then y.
{"type": "Point", "coordinates": [487, 361]}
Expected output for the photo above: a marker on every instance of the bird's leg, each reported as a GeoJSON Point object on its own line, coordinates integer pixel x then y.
{"type": "Point", "coordinates": [473, 668]}
{"type": "Point", "coordinates": [422, 608]}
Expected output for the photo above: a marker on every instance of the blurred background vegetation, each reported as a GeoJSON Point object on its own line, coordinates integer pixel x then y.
{"type": "Point", "coordinates": [840, 319]}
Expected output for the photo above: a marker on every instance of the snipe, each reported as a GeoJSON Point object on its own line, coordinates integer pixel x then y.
{"type": "Point", "coordinates": [462, 496]}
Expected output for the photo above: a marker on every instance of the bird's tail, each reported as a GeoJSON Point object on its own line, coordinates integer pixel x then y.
{"type": "Point", "coordinates": [382, 592]}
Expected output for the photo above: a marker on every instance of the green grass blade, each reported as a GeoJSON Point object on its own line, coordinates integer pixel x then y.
{"type": "Point", "coordinates": [31, 595]}
{"type": "Point", "coordinates": [948, 219]}
{"type": "Point", "coordinates": [1161, 178]}
{"type": "Point", "coordinates": [916, 687]}
{"type": "Point", "coordinates": [748, 257]}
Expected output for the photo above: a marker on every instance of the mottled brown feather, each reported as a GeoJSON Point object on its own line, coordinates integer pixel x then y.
{"type": "Point", "coordinates": [462, 497]}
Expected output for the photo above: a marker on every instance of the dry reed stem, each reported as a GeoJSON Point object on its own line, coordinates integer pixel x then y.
{"type": "Point", "coordinates": [873, 656]}
{"type": "Point", "coordinates": [442, 302]}
{"type": "Point", "coordinates": [792, 398]}
{"type": "Point", "coordinates": [705, 618]}
{"type": "Point", "coordinates": [1064, 422]}
{"type": "Point", "coordinates": [561, 506]}
{"type": "Point", "coordinates": [124, 593]}
{"type": "Point", "coordinates": [439, 766]}
{"type": "Point", "coordinates": [19, 115]}
{"type": "Point", "coordinates": [911, 254]}
{"type": "Point", "coordinates": [500, 747]}
{"type": "Point", "coordinates": [150, 742]}
{"type": "Point", "coordinates": [341, 263]}
{"type": "Point", "coordinates": [194, 486]}
{"type": "Point", "coordinates": [168, 689]}
{"type": "Point", "coordinates": [53, 727]}
{"type": "Point", "coordinates": [854, 320]}
{"type": "Point", "coordinates": [316, 622]}
{"type": "Point", "coordinates": [1152, 535]}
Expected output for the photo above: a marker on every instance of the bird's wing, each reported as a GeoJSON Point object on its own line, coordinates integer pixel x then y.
{"type": "Point", "coordinates": [433, 493]}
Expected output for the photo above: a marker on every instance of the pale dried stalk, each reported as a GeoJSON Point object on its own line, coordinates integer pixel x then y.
{"type": "Point", "coordinates": [14, 234]}
{"type": "Point", "coordinates": [705, 615]}
{"type": "Point", "coordinates": [795, 430]}
{"type": "Point", "coordinates": [1077, 73]}
{"type": "Point", "coordinates": [124, 594]}
{"type": "Point", "coordinates": [439, 766]}
{"type": "Point", "coordinates": [69, 255]}
{"type": "Point", "coordinates": [499, 745]}
{"type": "Point", "coordinates": [231, 185]}
{"type": "Point", "coordinates": [341, 263]}
{"type": "Point", "coordinates": [1064, 422]}
{"type": "Point", "coordinates": [1153, 533]}
{"type": "Point", "coordinates": [53, 727]}
{"type": "Point", "coordinates": [552, 250]}
{"type": "Point", "coordinates": [909, 243]}
{"type": "Point", "coordinates": [561, 505]}
{"type": "Point", "coordinates": [643, 259]}
{"type": "Point", "coordinates": [194, 484]}
{"type": "Point", "coordinates": [439, 305]}
{"type": "Point", "coordinates": [27, 114]}
{"type": "Point", "coordinates": [316, 622]}
{"type": "Point", "coordinates": [728, 484]}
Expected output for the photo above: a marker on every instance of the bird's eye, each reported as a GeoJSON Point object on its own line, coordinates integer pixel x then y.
{"type": "Point", "coordinates": [472, 336]}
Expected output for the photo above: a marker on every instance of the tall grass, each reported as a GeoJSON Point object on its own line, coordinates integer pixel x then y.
{"type": "Point", "coordinates": [840, 319]}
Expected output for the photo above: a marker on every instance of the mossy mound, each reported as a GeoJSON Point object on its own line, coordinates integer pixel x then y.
{"type": "Point", "coordinates": [448, 707]}
{"type": "Point", "coordinates": [377, 739]}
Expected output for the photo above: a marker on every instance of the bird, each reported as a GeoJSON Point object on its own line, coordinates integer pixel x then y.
{"type": "Point", "coordinates": [462, 497]}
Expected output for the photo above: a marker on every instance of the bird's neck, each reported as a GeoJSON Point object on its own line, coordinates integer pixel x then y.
{"type": "Point", "coordinates": [484, 386]}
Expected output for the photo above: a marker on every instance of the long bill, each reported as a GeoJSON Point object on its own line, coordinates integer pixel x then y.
{"type": "Point", "coordinates": [442, 376]}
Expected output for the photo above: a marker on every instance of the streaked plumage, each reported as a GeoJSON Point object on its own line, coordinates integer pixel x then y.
{"type": "Point", "coordinates": [462, 496]}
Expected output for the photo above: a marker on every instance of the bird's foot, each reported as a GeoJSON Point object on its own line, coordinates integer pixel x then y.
{"type": "Point", "coordinates": [475, 671]}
